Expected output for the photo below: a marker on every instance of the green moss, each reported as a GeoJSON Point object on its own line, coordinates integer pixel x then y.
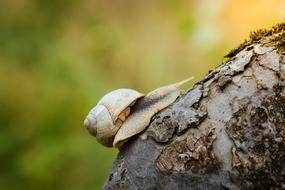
{"type": "Point", "coordinates": [275, 35]}
{"type": "Point", "coordinates": [279, 41]}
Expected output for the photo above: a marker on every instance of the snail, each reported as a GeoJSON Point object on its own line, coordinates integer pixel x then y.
{"type": "Point", "coordinates": [123, 113]}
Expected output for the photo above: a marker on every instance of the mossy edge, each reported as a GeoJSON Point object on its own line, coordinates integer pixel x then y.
{"type": "Point", "coordinates": [275, 35]}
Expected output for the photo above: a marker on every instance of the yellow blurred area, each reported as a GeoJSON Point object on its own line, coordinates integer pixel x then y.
{"type": "Point", "coordinates": [57, 58]}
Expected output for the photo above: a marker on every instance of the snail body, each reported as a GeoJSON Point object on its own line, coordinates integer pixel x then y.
{"type": "Point", "coordinates": [123, 113]}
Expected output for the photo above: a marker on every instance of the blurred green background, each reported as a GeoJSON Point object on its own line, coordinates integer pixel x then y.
{"type": "Point", "coordinates": [57, 58]}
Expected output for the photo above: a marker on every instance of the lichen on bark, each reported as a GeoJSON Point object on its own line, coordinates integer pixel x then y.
{"type": "Point", "coordinates": [225, 132]}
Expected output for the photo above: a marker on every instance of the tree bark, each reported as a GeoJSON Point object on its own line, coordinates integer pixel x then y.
{"type": "Point", "coordinates": [225, 132]}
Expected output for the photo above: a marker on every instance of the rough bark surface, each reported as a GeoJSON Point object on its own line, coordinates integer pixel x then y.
{"type": "Point", "coordinates": [226, 132]}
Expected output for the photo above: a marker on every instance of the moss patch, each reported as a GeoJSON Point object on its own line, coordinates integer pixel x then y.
{"type": "Point", "coordinates": [275, 35]}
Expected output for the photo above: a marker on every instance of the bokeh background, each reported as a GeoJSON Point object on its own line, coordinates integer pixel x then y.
{"type": "Point", "coordinates": [58, 57]}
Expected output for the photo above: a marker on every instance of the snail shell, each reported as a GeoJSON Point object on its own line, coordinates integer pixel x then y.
{"type": "Point", "coordinates": [105, 119]}
{"type": "Point", "coordinates": [123, 113]}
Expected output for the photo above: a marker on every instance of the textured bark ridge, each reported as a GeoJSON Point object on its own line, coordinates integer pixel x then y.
{"type": "Point", "coordinates": [226, 132]}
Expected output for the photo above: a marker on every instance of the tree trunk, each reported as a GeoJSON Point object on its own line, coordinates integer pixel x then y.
{"type": "Point", "coordinates": [226, 132]}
